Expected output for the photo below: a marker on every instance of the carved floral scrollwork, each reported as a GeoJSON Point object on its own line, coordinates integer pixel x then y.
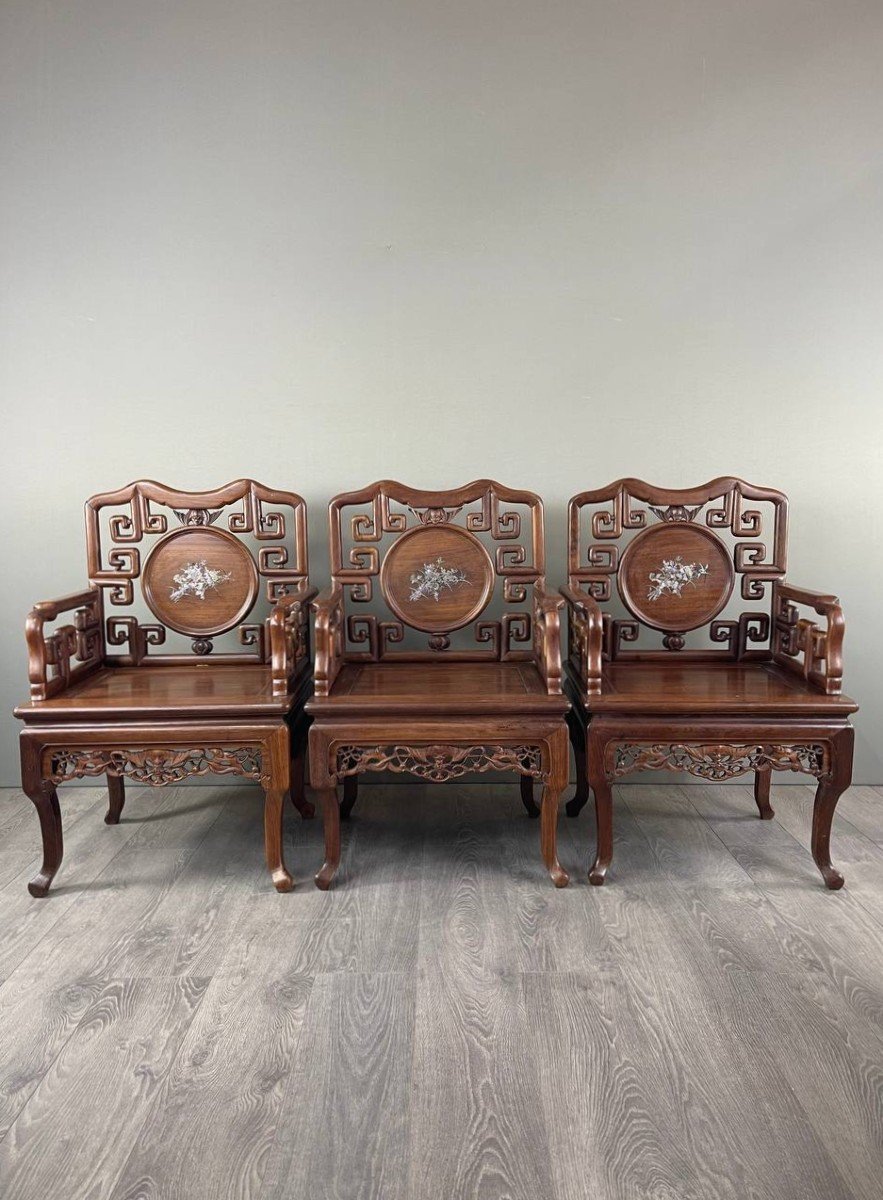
{"type": "Point", "coordinates": [154, 765]}
{"type": "Point", "coordinates": [716, 762]}
{"type": "Point", "coordinates": [438, 763]}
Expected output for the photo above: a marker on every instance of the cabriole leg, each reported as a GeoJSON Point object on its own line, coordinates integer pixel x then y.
{"type": "Point", "coordinates": [828, 792]}
{"type": "Point", "coordinates": [600, 785]}
{"type": "Point", "coordinates": [762, 780]}
{"type": "Point", "coordinates": [45, 799]}
{"type": "Point", "coordinates": [116, 798]}
{"type": "Point", "coordinates": [274, 805]}
{"type": "Point", "coordinates": [331, 819]}
{"type": "Point", "coordinates": [549, 835]}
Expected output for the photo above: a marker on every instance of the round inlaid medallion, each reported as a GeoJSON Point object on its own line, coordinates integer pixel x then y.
{"type": "Point", "coordinates": [676, 577]}
{"type": "Point", "coordinates": [437, 578]}
{"type": "Point", "coordinates": [200, 581]}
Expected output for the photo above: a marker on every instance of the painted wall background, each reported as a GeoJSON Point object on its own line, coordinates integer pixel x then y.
{"type": "Point", "coordinates": [321, 243]}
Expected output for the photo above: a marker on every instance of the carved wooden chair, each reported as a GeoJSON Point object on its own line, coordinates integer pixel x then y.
{"type": "Point", "coordinates": [744, 680]}
{"type": "Point", "coordinates": [437, 649]}
{"type": "Point", "coordinates": [222, 586]}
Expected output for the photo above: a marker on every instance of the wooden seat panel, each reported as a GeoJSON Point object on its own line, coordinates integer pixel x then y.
{"type": "Point", "coordinates": [722, 688]}
{"type": "Point", "coordinates": [452, 687]}
{"type": "Point", "coordinates": [199, 690]}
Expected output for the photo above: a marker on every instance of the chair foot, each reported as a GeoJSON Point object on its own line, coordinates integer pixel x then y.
{"type": "Point", "coordinates": [530, 806]}
{"type": "Point", "coordinates": [325, 875]}
{"type": "Point", "coordinates": [282, 881]}
{"type": "Point", "coordinates": [331, 818]}
{"type": "Point", "coordinates": [834, 881]}
{"type": "Point", "coordinates": [558, 875]}
{"type": "Point", "coordinates": [40, 884]}
{"type": "Point", "coordinates": [598, 872]}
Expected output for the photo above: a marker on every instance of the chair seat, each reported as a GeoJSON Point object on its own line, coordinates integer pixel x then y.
{"type": "Point", "coordinates": [709, 689]}
{"type": "Point", "coordinates": [450, 688]}
{"type": "Point", "coordinates": [190, 691]}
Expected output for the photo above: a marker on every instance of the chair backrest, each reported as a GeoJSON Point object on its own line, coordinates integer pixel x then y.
{"type": "Point", "coordinates": [426, 574]}
{"type": "Point", "coordinates": [209, 567]}
{"type": "Point", "coordinates": [694, 565]}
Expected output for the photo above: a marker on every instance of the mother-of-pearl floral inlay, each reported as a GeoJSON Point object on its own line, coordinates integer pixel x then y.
{"type": "Point", "coordinates": [674, 576]}
{"type": "Point", "coordinates": [196, 578]}
{"type": "Point", "coordinates": [433, 578]}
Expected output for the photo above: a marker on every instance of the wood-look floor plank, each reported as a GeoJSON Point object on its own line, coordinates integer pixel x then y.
{"type": "Point", "coordinates": [477, 1128]}
{"type": "Point", "coordinates": [212, 1119]}
{"type": "Point", "coordinates": [343, 1130]}
{"type": "Point", "coordinates": [74, 1134]}
{"type": "Point", "coordinates": [833, 1064]}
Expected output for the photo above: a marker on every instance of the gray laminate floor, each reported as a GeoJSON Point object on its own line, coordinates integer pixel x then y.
{"type": "Point", "coordinates": [444, 1024]}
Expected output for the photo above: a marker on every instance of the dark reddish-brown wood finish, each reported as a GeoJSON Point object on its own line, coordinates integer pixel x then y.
{"type": "Point", "coordinates": [438, 650]}
{"type": "Point", "coordinates": [105, 701]}
{"type": "Point", "coordinates": [762, 694]}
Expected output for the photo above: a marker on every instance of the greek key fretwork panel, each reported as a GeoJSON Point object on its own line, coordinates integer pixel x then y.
{"type": "Point", "coordinates": [193, 572]}
{"type": "Point", "coordinates": [716, 762]}
{"type": "Point", "coordinates": [438, 763]}
{"type": "Point", "coordinates": [429, 572]}
{"type": "Point", "coordinates": [700, 559]}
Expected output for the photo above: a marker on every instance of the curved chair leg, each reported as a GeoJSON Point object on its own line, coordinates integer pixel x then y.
{"type": "Point", "coordinates": [45, 799]}
{"type": "Point", "coordinates": [298, 794]}
{"type": "Point", "coordinates": [828, 792]}
{"type": "Point", "coordinates": [350, 795]}
{"type": "Point", "coordinates": [274, 804]}
{"type": "Point", "coordinates": [762, 781]}
{"type": "Point", "coordinates": [331, 818]}
{"type": "Point", "coordinates": [580, 797]}
{"type": "Point", "coordinates": [549, 835]}
{"type": "Point", "coordinates": [116, 798]}
{"type": "Point", "coordinates": [600, 785]}
{"type": "Point", "coordinates": [527, 796]}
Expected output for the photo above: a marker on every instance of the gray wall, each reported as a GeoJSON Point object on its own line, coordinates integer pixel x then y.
{"type": "Point", "coordinates": [550, 242]}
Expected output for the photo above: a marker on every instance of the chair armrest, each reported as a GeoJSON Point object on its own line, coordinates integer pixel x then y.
{"type": "Point", "coordinates": [585, 638]}
{"type": "Point", "coordinates": [800, 645]}
{"type": "Point", "coordinates": [289, 636]}
{"type": "Point", "coordinates": [547, 636]}
{"type": "Point", "coordinates": [328, 632]}
{"type": "Point", "coordinates": [68, 653]}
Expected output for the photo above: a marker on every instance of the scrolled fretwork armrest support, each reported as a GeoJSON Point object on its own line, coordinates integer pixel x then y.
{"type": "Point", "coordinates": [328, 632]}
{"type": "Point", "coordinates": [585, 637]}
{"type": "Point", "coordinates": [547, 636]}
{"type": "Point", "coordinates": [289, 636]}
{"type": "Point", "coordinates": [800, 645]}
{"type": "Point", "coordinates": [68, 653]}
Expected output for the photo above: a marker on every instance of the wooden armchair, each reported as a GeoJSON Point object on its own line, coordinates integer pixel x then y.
{"type": "Point", "coordinates": [219, 581]}
{"type": "Point", "coordinates": [437, 649]}
{"type": "Point", "coordinates": [744, 680]}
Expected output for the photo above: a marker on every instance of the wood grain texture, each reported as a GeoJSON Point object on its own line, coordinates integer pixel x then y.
{"type": "Point", "coordinates": [122, 1048]}
{"type": "Point", "coordinates": [343, 1131]}
{"type": "Point", "coordinates": [444, 1025]}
